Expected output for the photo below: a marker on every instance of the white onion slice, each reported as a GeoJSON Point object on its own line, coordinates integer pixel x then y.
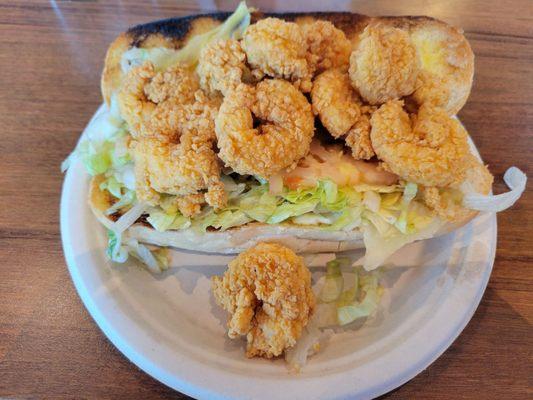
{"type": "Point", "coordinates": [515, 180]}
{"type": "Point", "coordinates": [129, 218]}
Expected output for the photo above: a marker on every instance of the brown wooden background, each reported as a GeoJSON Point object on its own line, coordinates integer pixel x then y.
{"type": "Point", "coordinates": [51, 54]}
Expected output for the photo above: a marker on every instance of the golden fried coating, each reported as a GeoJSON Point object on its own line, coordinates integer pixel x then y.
{"type": "Point", "coordinates": [190, 204]}
{"type": "Point", "coordinates": [431, 149]}
{"type": "Point", "coordinates": [358, 139]}
{"type": "Point", "coordinates": [278, 49]}
{"type": "Point", "coordinates": [221, 66]}
{"type": "Point", "coordinates": [447, 203]}
{"type": "Point", "coordinates": [149, 101]}
{"type": "Point", "coordinates": [267, 291]}
{"type": "Point", "coordinates": [335, 102]}
{"type": "Point", "coordinates": [176, 168]}
{"type": "Point", "coordinates": [341, 111]}
{"type": "Point", "coordinates": [447, 66]}
{"type": "Point", "coordinates": [183, 162]}
{"type": "Point", "coordinates": [384, 66]}
{"type": "Point", "coordinates": [283, 135]}
{"type": "Point", "coordinates": [327, 46]}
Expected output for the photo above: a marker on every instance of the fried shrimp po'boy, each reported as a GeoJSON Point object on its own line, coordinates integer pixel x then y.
{"type": "Point", "coordinates": [324, 131]}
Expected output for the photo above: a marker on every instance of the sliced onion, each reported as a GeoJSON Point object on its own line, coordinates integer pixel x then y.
{"type": "Point", "coordinates": [515, 180]}
{"type": "Point", "coordinates": [129, 218]}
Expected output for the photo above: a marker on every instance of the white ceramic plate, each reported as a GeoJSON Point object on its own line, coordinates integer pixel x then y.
{"type": "Point", "coordinates": [170, 327]}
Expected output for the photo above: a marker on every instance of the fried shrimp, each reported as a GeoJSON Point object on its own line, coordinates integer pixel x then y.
{"type": "Point", "coordinates": [176, 169]}
{"type": "Point", "coordinates": [358, 137]}
{"type": "Point", "coordinates": [335, 102]}
{"type": "Point", "coordinates": [267, 291]}
{"type": "Point", "coordinates": [430, 149]}
{"type": "Point", "coordinates": [447, 203]}
{"type": "Point", "coordinates": [184, 162]}
{"type": "Point", "coordinates": [384, 66]}
{"type": "Point", "coordinates": [327, 46]}
{"type": "Point", "coordinates": [278, 49]}
{"type": "Point", "coordinates": [221, 66]}
{"type": "Point", "coordinates": [149, 101]}
{"type": "Point", "coordinates": [341, 112]}
{"type": "Point", "coordinates": [284, 133]}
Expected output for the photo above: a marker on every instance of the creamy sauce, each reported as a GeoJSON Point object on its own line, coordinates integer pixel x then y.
{"type": "Point", "coordinates": [333, 164]}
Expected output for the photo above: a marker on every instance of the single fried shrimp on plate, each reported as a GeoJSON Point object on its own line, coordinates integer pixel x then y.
{"type": "Point", "coordinates": [148, 100]}
{"type": "Point", "coordinates": [327, 46]}
{"type": "Point", "coordinates": [384, 66]}
{"type": "Point", "coordinates": [280, 135]}
{"type": "Point", "coordinates": [221, 66]}
{"type": "Point", "coordinates": [430, 149]}
{"type": "Point", "coordinates": [278, 49]}
{"type": "Point", "coordinates": [267, 291]}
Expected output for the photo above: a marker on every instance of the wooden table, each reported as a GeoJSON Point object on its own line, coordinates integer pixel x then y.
{"type": "Point", "coordinates": [51, 54]}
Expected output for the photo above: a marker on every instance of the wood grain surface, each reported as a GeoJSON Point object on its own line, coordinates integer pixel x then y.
{"type": "Point", "coordinates": [51, 55]}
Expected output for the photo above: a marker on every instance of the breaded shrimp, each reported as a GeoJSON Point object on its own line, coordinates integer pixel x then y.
{"type": "Point", "coordinates": [341, 111]}
{"type": "Point", "coordinates": [221, 66]}
{"type": "Point", "coordinates": [278, 49]}
{"type": "Point", "coordinates": [267, 291]}
{"type": "Point", "coordinates": [284, 133]}
{"type": "Point", "coordinates": [358, 139]}
{"type": "Point", "coordinates": [191, 204]}
{"type": "Point", "coordinates": [327, 46]}
{"type": "Point", "coordinates": [149, 101]}
{"type": "Point", "coordinates": [183, 163]}
{"type": "Point", "coordinates": [177, 169]}
{"type": "Point", "coordinates": [384, 66]}
{"type": "Point", "coordinates": [447, 203]}
{"type": "Point", "coordinates": [431, 149]}
{"type": "Point", "coordinates": [335, 102]}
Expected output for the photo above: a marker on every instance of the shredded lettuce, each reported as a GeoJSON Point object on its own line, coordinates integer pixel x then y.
{"type": "Point", "coordinates": [258, 204]}
{"type": "Point", "coordinates": [334, 283]}
{"type": "Point", "coordinates": [115, 251]}
{"type": "Point", "coordinates": [325, 206]}
{"type": "Point", "coordinates": [228, 219]}
{"type": "Point", "coordinates": [104, 148]}
{"type": "Point", "coordinates": [379, 247]}
{"type": "Point", "coordinates": [336, 308]}
{"type": "Point", "coordinates": [288, 210]}
{"type": "Point", "coordinates": [126, 201]}
{"type": "Point", "coordinates": [372, 201]}
{"type": "Point", "coordinates": [160, 220]}
{"type": "Point", "coordinates": [120, 247]}
{"type": "Point", "coordinates": [353, 306]}
{"type": "Point", "coordinates": [409, 194]}
{"type": "Point", "coordinates": [313, 218]}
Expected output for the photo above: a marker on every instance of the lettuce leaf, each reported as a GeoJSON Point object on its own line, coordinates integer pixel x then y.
{"type": "Point", "coordinates": [334, 283]}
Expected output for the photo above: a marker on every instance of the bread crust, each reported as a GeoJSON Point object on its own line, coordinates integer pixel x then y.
{"type": "Point", "coordinates": [176, 32]}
